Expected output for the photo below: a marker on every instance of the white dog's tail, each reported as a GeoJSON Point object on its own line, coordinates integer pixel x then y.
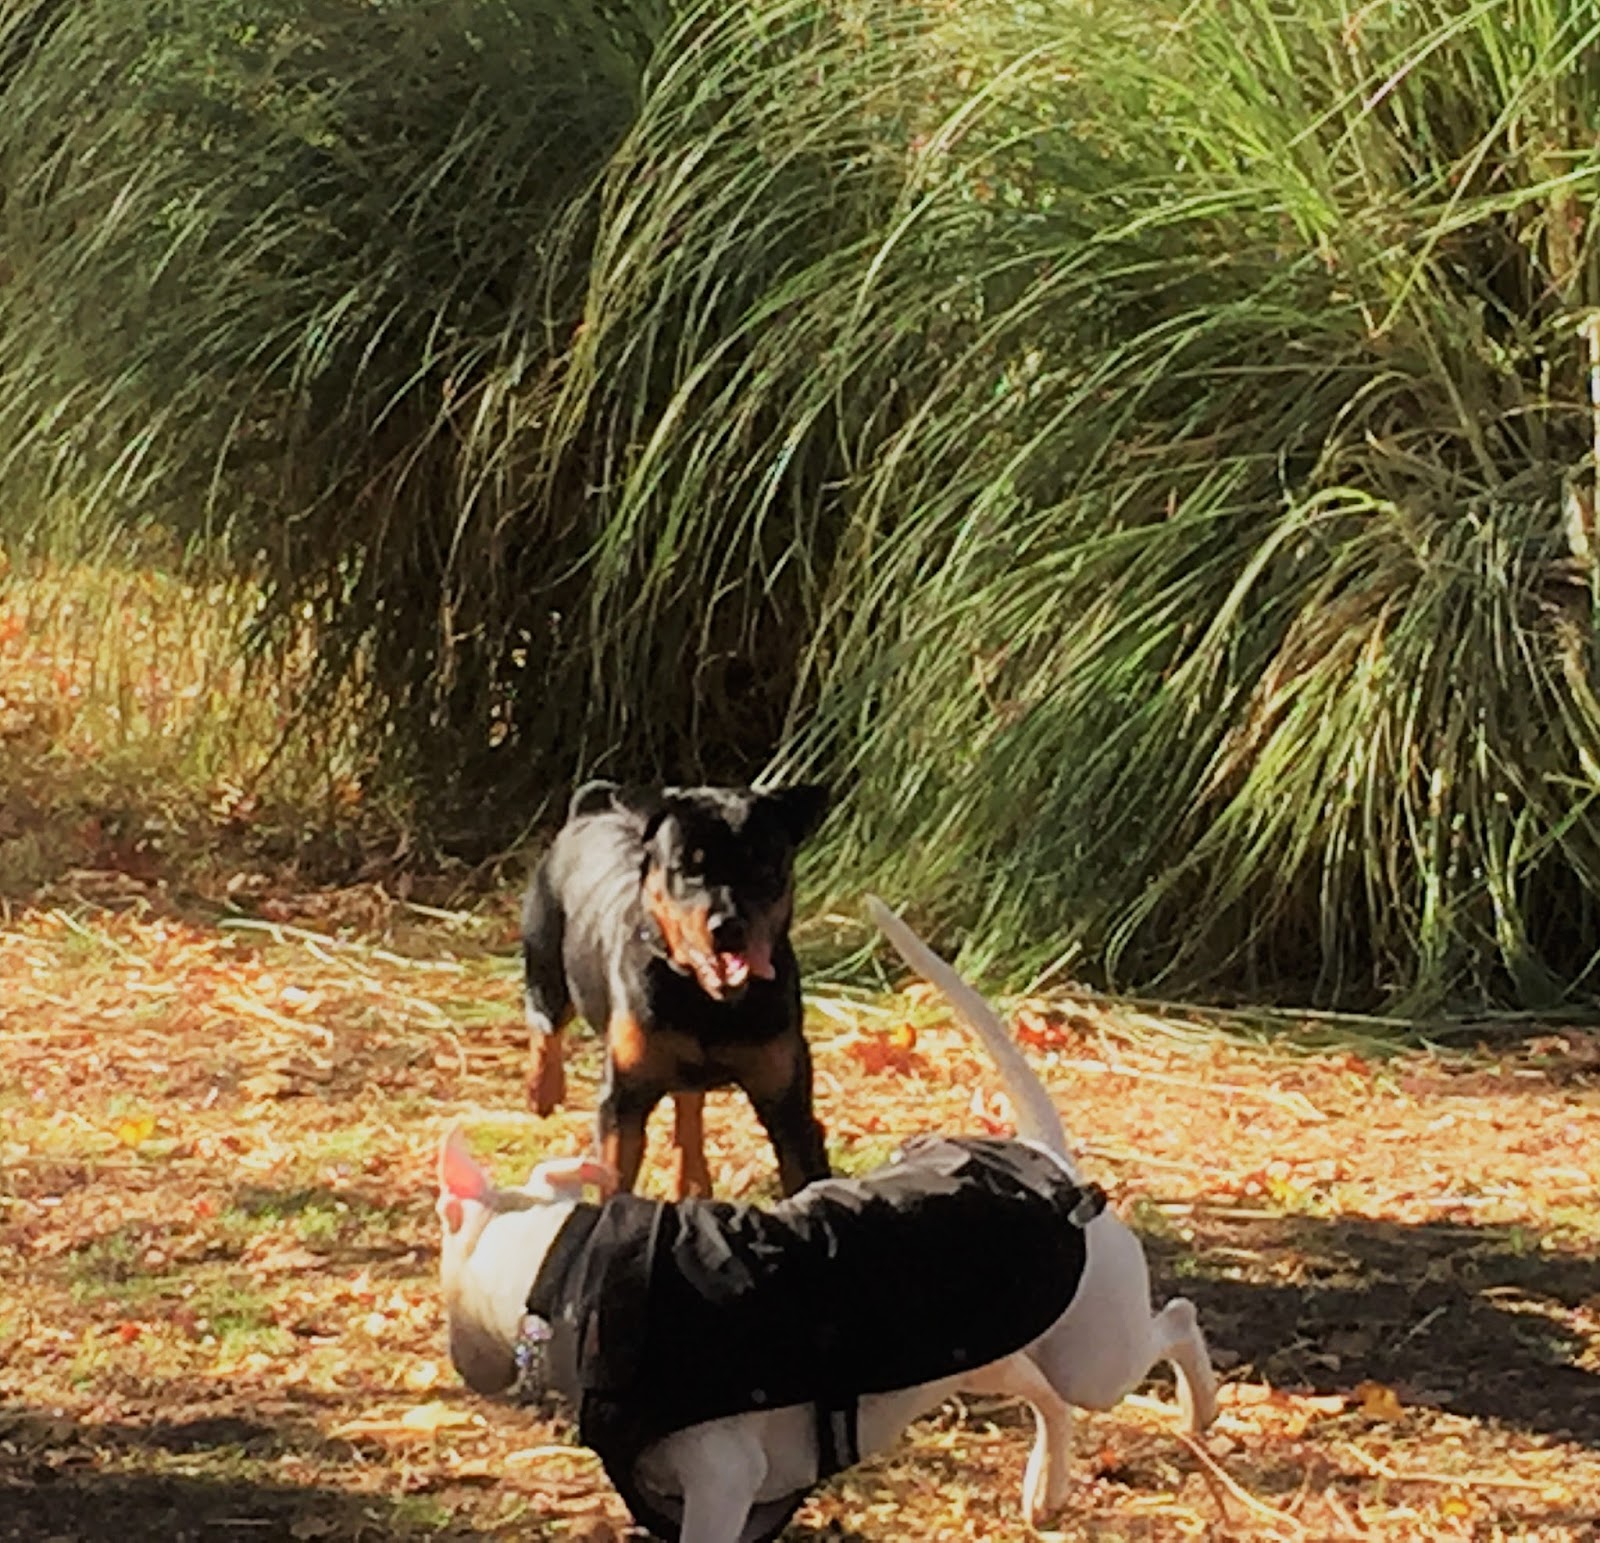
{"type": "Point", "coordinates": [1037, 1118]}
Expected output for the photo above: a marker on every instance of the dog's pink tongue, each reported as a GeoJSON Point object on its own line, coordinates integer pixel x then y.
{"type": "Point", "coordinates": [755, 960]}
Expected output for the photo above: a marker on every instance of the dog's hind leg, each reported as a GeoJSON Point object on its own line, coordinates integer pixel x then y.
{"type": "Point", "coordinates": [1176, 1330]}
{"type": "Point", "coordinates": [1044, 1484]}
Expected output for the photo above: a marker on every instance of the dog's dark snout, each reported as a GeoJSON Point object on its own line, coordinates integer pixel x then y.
{"type": "Point", "coordinates": [728, 935]}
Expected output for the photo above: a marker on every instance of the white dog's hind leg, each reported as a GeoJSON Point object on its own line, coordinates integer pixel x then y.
{"type": "Point", "coordinates": [1179, 1341]}
{"type": "Point", "coordinates": [1049, 1471]}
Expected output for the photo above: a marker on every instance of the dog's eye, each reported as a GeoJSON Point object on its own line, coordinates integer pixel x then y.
{"type": "Point", "coordinates": [697, 858]}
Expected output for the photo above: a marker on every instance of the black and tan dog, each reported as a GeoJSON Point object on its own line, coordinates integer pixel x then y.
{"type": "Point", "coordinates": [663, 919]}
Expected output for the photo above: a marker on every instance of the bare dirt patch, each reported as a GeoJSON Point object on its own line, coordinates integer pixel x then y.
{"type": "Point", "coordinates": [219, 1318]}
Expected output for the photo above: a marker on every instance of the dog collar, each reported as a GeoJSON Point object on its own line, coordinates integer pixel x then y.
{"type": "Point", "coordinates": [531, 1353]}
{"type": "Point", "coordinates": [651, 936]}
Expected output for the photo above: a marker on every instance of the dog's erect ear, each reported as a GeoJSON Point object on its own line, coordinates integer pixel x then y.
{"type": "Point", "coordinates": [460, 1179]}
{"type": "Point", "coordinates": [647, 805]}
{"type": "Point", "coordinates": [650, 806]}
{"type": "Point", "coordinates": [799, 809]}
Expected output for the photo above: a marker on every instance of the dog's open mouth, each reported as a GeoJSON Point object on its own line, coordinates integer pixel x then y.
{"type": "Point", "coordinates": [726, 972]}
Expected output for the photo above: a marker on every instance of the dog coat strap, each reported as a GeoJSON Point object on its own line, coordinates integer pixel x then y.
{"type": "Point", "coordinates": [1091, 1202]}
{"type": "Point", "coordinates": [838, 1438]}
{"type": "Point", "coordinates": [547, 1349]}
{"type": "Point", "coordinates": [550, 1284]}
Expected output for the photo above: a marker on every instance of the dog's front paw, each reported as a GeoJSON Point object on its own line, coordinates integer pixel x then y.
{"type": "Point", "coordinates": [547, 1079]}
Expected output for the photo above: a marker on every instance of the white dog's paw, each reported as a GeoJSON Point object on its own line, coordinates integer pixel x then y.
{"type": "Point", "coordinates": [1039, 1510]}
{"type": "Point", "coordinates": [1200, 1405]}
{"type": "Point", "coordinates": [1048, 1477]}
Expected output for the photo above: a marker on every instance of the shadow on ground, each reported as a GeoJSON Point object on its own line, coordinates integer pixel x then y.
{"type": "Point", "coordinates": [72, 1481]}
{"type": "Point", "coordinates": [1476, 1321]}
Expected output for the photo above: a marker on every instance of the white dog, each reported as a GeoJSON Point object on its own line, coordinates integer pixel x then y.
{"type": "Point", "coordinates": [737, 1477]}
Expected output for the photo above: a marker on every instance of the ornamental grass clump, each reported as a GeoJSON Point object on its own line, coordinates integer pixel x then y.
{"type": "Point", "coordinates": [254, 260]}
{"type": "Point", "coordinates": [1169, 434]}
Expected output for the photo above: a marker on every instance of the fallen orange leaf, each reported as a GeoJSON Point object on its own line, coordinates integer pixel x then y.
{"type": "Point", "coordinates": [1038, 1032]}
{"type": "Point", "coordinates": [1379, 1401]}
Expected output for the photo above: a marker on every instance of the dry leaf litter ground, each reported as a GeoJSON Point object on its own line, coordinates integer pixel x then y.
{"type": "Point", "coordinates": [216, 1238]}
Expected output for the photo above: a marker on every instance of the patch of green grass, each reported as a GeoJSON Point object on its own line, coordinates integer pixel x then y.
{"type": "Point", "coordinates": [240, 1318]}
{"type": "Point", "coordinates": [1570, 1226]}
{"type": "Point", "coordinates": [318, 1217]}
{"type": "Point", "coordinates": [855, 1158]}
{"type": "Point", "coordinates": [1144, 1215]}
{"type": "Point", "coordinates": [322, 1225]}
{"type": "Point", "coordinates": [113, 1271]}
{"type": "Point", "coordinates": [508, 1150]}
{"type": "Point", "coordinates": [111, 1268]}
{"type": "Point", "coordinates": [346, 1144]}
{"type": "Point", "coordinates": [83, 949]}
{"type": "Point", "coordinates": [426, 1513]}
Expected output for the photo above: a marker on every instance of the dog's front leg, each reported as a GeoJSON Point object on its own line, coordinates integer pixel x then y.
{"type": "Point", "coordinates": [621, 1115]}
{"type": "Point", "coordinates": [546, 999]}
{"type": "Point", "coordinates": [719, 1469]}
{"type": "Point", "coordinates": [782, 1104]}
{"type": "Point", "coordinates": [689, 1138]}
{"type": "Point", "coordinates": [547, 1071]}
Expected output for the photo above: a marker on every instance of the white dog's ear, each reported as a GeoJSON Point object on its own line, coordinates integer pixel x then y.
{"type": "Point", "coordinates": [461, 1179]}
{"type": "Point", "coordinates": [572, 1173]}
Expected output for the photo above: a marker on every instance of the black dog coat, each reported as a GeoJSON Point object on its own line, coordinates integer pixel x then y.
{"type": "Point", "coordinates": [952, 1256]}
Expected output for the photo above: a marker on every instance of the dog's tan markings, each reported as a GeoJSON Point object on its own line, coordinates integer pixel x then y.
{"type": "Point", "coordinates": [665, 1057]}
{"type": "Point", "coordinates": [628, 1042]}
{"type": "Point", "coordinates": [689, 1137]}
{"type": "Point", "coordinates": [686, 930]}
